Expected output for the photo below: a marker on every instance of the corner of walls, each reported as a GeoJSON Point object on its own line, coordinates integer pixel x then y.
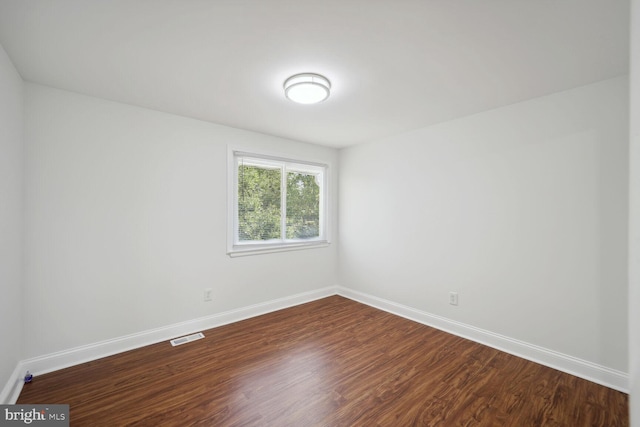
{"type": "Point", "coordinates": [13, 386]}
{"type": "Point", "coordinates": [128, 205]}
{"type": "Point", "coordinates": [634, 220]}
{"type": "Point", "coordinates": [11, 223]}
{"type": "Point", "coordinates": [86, 353]}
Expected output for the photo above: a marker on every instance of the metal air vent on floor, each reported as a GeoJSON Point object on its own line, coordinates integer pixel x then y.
{"type": "Point", "coordinates": [188, 338]}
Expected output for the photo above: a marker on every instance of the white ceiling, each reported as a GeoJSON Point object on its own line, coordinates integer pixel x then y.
{"type": "Point", "coordinates": [395, 65]}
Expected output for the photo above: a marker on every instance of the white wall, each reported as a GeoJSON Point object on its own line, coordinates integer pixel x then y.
{"type": "Point", "coordinates": [634, 235]}
{"type": "Point", "coordinates": [522, 210]}
{"type": "Point", "coordinates": [126, 222]}
{"type": "Point", "coordinates": [11, 204]}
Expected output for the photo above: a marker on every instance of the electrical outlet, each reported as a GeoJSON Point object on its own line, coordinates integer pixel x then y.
{"type": "Point", "coordinates": [208, 294]}
{"type": "Point", "coordinates": [453, 298]}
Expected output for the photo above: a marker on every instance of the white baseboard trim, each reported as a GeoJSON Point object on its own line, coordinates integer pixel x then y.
{"type": "Point", "coordinates": [52, 362]}
{"type": "Point", "coordinates": [593, 372]}
{"type": "Point", "coordinates": [13, 387]}
{"type": "Point", "coordinates": [86, 353]}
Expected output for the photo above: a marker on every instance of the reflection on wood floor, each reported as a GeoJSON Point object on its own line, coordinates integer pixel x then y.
{"type": "Point", "coordinates": [331, 362]}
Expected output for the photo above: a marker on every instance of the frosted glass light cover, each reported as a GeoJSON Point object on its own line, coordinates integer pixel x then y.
{"type": "Point", "coordinates": [307, 88]}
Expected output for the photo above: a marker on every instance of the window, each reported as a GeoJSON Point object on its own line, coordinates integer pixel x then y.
{"type": "Point", "coordinates": [275, 204]}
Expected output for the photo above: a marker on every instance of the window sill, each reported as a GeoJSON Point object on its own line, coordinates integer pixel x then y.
{"type": "Point", "coordinates": [241, 251]}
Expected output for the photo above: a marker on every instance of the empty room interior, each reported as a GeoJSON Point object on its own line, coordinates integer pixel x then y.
{"type": "Point", "coordinates": [356, 212]}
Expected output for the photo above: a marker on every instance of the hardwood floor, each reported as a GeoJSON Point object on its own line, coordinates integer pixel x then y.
{"type": "Point", "coordinates": [332, 362]}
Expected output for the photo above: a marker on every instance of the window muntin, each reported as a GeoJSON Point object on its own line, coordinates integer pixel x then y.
{"type": "Point", "coordinates": [276, 203]}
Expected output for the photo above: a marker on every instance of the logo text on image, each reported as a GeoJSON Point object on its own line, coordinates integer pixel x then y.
{"type": "Point", "coordinates": [39, 415]}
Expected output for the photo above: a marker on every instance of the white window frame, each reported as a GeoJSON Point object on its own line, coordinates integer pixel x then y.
{"type": "Point", "coordinates": [235, 247]}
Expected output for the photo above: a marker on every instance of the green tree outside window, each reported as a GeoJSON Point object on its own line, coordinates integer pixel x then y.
{"type": "Point", "coordinates": [260, 204]}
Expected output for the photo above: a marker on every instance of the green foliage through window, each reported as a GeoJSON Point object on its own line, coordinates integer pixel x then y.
{"type": "Point", "coordinates": [303, 206]}
{"type": "Point", "coordinates": [260, 202]}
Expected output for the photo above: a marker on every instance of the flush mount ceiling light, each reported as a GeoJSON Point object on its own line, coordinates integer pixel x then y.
{"type": "Point", "coordinates": [307, 88]}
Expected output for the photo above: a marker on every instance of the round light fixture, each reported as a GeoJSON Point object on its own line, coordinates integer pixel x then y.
{"type": "Point", "coordinates": [307, 88]}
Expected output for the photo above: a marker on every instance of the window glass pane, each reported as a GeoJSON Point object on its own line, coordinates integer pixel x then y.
{"type": "Point", "coordinates": [303, 206]}
{"type": "Point", "coordinates": [258, 203]}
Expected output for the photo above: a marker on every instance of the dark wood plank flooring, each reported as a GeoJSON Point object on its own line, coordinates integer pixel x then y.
{"type": "Point", "coordinates": [332, 362]}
